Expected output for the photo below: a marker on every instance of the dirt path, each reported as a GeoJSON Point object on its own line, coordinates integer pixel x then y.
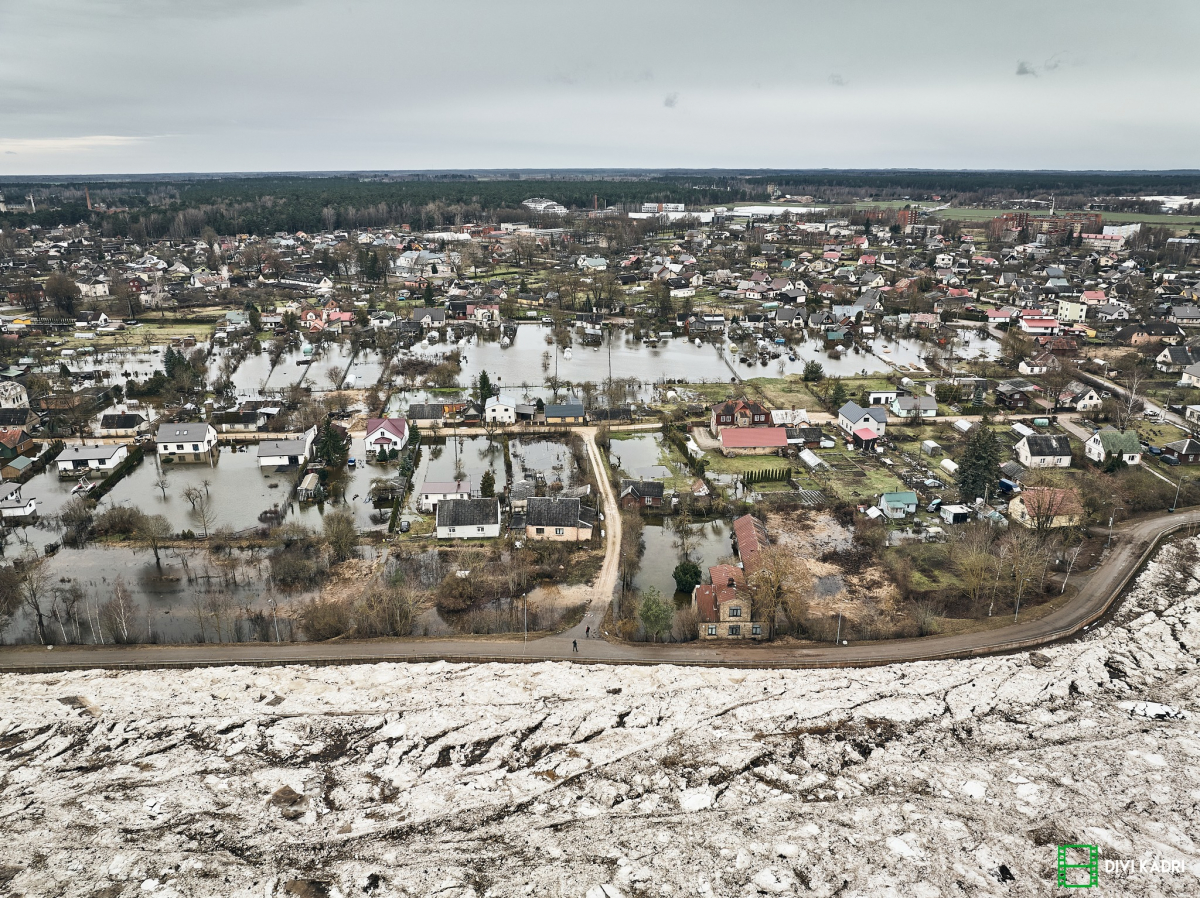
{"type": "Point", "coordinates": [599, 595]}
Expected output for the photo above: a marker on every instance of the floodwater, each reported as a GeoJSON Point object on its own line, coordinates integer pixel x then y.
{"type": "Point", "coordinates": [237, 488]}
{"type": "Point", "coordinates": [474, 454]}
{"type": "Point", "coordinates": [193, 596]}
{"type": "Point", "coordinates": [639, 456]}
{"type": "Point", "coordinates": [710, 545]}
{"type": "Point", "coordinates": [522, 367]}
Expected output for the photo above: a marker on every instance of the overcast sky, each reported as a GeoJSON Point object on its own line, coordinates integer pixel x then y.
{"type": "Point", "coordinates": [90, 86]}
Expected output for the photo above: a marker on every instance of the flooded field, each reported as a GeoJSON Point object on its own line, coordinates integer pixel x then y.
{"type": "Point", "coordinates": [709, 544]}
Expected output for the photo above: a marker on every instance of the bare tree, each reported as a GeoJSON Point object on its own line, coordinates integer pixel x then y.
{"type": "Point", "coordinates": [162, 484]}
{"type": "Point", "coordinates": [193, 495]}
{"type": "Point", "coordinates": [117, 614]}
{"type": "Point", "coordinates": [35, 583]}
{"type": "Point", "coordinates": [153, 530]}
{"type": "Point", "coordinates": [205, 513]}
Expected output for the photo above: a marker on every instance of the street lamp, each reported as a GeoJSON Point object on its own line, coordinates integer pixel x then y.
{"type": "Point", "coordinates": [1111, 516]}
{"type": "Point", "coordinates": [1178, 486]}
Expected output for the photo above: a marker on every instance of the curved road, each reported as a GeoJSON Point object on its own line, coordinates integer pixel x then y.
{"type": "Point", "coordinates": [1132, 545]}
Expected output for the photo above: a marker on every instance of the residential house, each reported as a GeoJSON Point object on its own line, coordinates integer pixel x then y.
{"type": "Point", "coordinates": [501, 409]}
{"type": "Point", "coordinates": [1039, 364]}
{"type": "Point", "coordinates": [1046, 508]}
{"type": "Point", "coordinates": [558, 519]}
{"type": "Point", "coordinates": [428, 317]}
{"type": "Point", "coordinates": [433, 492]}
{"type": "Point", "coordinates": [14, 441]}
{"type": "Point", "coordinates": [13, 506]}
{"type": "Point", "coordinates": [386, 434]}
{"type": "Point", "coordinates": [127, 425]}
{"type": "Point", "coordinates": [1038, 326]}
{"type": "Point", "coordinates": [287, 453]}
{"type": "Point", "coordinates": [1079, 397]}
{"type": "Point", "coordinates": [1044, 451]}
{"type": "Point", "coordinates": [1111, 443]}
{"type": "Point", "coordinates": [914, 407]}
{"type": "Point", "coordinates": [186, 442]}
{"type": "Point", "coordinates": [852, 417]}
{"type": "Point", "coordinates": [13, 394]}
{"type": "Point", "coordinates": [898, 505]}
{"type": "Point", "coordinates": [468, 519]}
{"type": "Point", "coordinates": [76, 460]}
{"type": "Point", "coordinates": [1186, 451]}
{"type": "Point", "coordinates": [738, 413]}
{"type": "Point", "coordinates": [1016, 393]}
{"type": "Point", "coordinates": [753, 440]}
{"type": "Point", "coordinates": [1110, 312]}
{"type": "Point", "coordinates": [1187, 316]}
{"type": "Point", "coordinates": [1150, 332]}
{"type": "Point", "coordinates": [566, 413]}
{"type": "Point", "coordinates": [431, 414]}
{"type": "Point", "coordinates": [724, 603]}
{"type": "Point", "coordinates": [640, 494]}
{"type": "Point", "coordinates": [238, 421]}
{"type": "Point", "coordinates": [1191, 375]}
{"type": "Point", "coordinates": [1173, 359]}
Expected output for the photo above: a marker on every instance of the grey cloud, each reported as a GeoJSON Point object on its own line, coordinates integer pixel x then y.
{"type": "Point", "coordinates": [837, 80]}
{"type": "Point", "coordinates": [1024, 68]}
{"type": "Point", "coordinates": [670, 100]}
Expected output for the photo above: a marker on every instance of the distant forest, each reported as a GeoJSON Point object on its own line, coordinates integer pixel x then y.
{"type": "Point", "coordinates": [185, 207]}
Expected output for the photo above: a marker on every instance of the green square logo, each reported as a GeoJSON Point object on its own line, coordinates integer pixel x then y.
{"type": "Point", "coordinates": [1078, 866]}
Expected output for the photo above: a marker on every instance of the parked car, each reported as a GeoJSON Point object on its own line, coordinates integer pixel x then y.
{"type": "Point", "coordinates": [1169, 460]}
{"type": "Point", "coordinates": [405, 526]}
{"type": "Point", "coordinates": [1155, 450]}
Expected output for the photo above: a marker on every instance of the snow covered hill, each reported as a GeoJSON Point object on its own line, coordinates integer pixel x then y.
{"type": "Point", "coordinates": [946, 778]}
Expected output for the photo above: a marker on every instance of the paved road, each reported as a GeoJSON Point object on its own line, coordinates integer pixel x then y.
{"type": "Point", "coordinates": [1131, 544]}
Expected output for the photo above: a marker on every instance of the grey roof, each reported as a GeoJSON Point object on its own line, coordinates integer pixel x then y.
{"type": "Point", "coordinates": [182, 433]}
{"type": "Point", "coordinates": [468, 513]}
{"type": "Point", "coordinates": [271, 448]}
{"type": "Point", "coordinates": [643, 489]}
{"type": "Point", "coordinates": [88, 453]}
{"type": "Point", "coordinates": [426, 412]}
{"type": "Point", "coordinates": [544, 511]}
{"type": "Point", "coordinates": [852, 411]}
{"type": "Point", "coordinates": [565, 410]}
{"type": "Point", "coordinates": [121, 422]}
{"type": "Point", "coordinates": [1042, 445]}
{"type": "Point", "coordinates": [916, 402]}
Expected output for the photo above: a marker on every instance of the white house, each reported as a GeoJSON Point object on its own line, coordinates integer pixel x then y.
{"type": "Point", "coordinates": [187, 442]}
{"type": "Point", "coordinates": [898, 505]}
{"type": "Point", "coordinates": [914, 407]}
{"type": "Point", "coordinates": [852, 416]}
{"type": "Point", "coordinates": [1039, 326]}
{"type": "Point", "coordinates": [1044, 451]}
{"type": "Point", "coordinates": [77, 460]}
{"type": "Point", "coordinates": [468, 519]}
{"type": "Point", "coordinates": [1113, 443]}
{"type": "Point", "coordinates": [1072, 311]}
{"type": "Point", "coordinates": [13, 395]}
{"type": "Point", "coordinates": [386, 434]}
{"type": "Point", "coordinates": [502, 409]}
{"type": "Point", "coordinates": [12, 505]}
{"type": "Point", "coordinates": [435, 491]}
{"type": "Point", "coordinates": [287, 453]}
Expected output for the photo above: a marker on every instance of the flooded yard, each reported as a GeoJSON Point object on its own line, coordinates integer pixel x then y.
{"type": "Point", "coordinates": [709, 545]}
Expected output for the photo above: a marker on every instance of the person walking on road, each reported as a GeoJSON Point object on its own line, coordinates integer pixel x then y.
{"type": "Point", "coordinates": [574, 645]}
{"type": "Point", "coordinates": [587, 634]}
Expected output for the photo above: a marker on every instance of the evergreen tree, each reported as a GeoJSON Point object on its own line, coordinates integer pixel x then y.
{"type": "Point", "coordinates": [838, 395]}
{"type": "Point", "coordinates": [813, 372]}
{"type": "Point", "coordinates": [483, 388]}
{"type": "Point", "coordinates": [687, 576]}
{"type": "Point", "coordinates": [979, 466]}
{"type": "Point", "coordinates": [487, 485]}
{"type": "Point", "coordinates": [427, 295]}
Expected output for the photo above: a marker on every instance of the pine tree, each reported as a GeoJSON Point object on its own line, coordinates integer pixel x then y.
{"type": "Point", "coordinates": [979, 467]}
{"type": "Point", "coordinates": [483, 388]}
{"type": "Point", "coordinates": [487, 485]}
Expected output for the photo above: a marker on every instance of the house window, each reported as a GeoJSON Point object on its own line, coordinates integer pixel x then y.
{"type": "Point", "coordinates": [195, 447]}
{"type": "Point", "coordinates": [479, 530]}
{"type": "Point", "coordinates": [451, 529]}
{"type": "Point", "coordinates": [756, 630]}
{"type": "Point", "coordinates": [735, 611]}
{"type": "Point", "coordinates": [735, 629]}
{"type": "Point", "coordinates": [179, 448]}
{"type": "Point", "coordinates": [712, 629]}
{"type": "Point", "coordinates": [558, 531]}
{"type": "Point", "coordinates": [648, 500]}
{"type": "Point", "coordinates": [540, 531]}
